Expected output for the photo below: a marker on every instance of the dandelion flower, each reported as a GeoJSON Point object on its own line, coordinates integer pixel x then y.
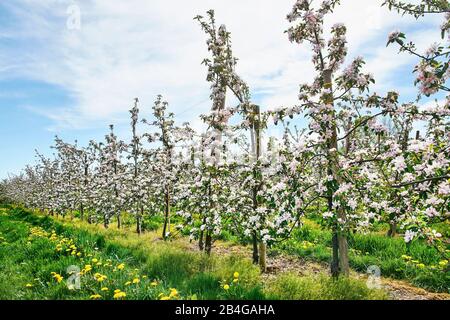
{"type": "Point", "coordinates": [236, 275]}
{"type": "Point", "coordinates": [443, 263]}
{"type": "Point", "coordinates": [95, 296]}
{"type": "Point", "coordinates": [29, 285]}
{"type": "Point", "coordinates": [119, 295]}
{"type": "Point", "coordinates": [57, 277]}
{"type": "Point", "coordinates": [226, 287]}
{"type": "Point", "coordinates": [173, 292]}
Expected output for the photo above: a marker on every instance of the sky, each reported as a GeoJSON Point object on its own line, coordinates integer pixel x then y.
{"type": "Point", "coordinates": [70, 68]}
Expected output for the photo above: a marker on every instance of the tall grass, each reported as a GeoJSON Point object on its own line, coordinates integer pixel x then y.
{"type": "Point", "coordinates": [321, 287]}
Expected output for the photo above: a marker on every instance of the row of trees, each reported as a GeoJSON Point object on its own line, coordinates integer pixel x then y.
{"type": "Point", "coordinates": [356, 162]}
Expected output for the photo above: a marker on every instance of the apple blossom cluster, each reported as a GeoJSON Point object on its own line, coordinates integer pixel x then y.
{"type": "Point", "coordinates": [432, 71]}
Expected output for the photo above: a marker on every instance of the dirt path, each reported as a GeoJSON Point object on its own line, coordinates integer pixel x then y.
{"type": "Point", "coordinates": [397, 289]}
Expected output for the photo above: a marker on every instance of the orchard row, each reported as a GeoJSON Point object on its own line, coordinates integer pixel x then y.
{"type": "Point", "coordinates": [346, 153]}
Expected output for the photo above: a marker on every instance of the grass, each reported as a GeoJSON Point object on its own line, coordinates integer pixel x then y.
{"type": "Point", "coordinates": [416, 262]}
{"type": "Point", "coordinates": [291, 287]}
{"type": "Point", "coordinates": [32, 263]}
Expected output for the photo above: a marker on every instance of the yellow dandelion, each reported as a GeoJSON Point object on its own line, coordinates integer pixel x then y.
{"type": "Point", "coordinates": [57, 277]}
{"type": "Point", "coordinates": [100, 277]}
{"type": "Point", "coordinates": [119, 295]}
{"type": "Point", "coordinates": [104, 289]}
{"type": "Point", "coordinates": [443, 263]}
{"type": "Point", "coordinates": [236, 275]}
{"type": "Point", "coordinates": [121, 266]}
{"type": "Point", "coordinates": [226, 287]}
{"type": "Point", "coordinates": [87, 268]}
{"type": "Point", "coordinates": [95, 296]}
{"type": "Point", "coordinates": [173, 292]}
{"type": "Point", "coordinates": [29, 285]}
{"type": "Point", "coordinates": [136, 280]}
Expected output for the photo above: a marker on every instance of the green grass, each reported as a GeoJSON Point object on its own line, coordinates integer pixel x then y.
{"type": "Point", "coordinates": [380, 250]}
{"type": "Point", "coordinates": [321, 287]}
{"type": "Point", "coordinates": [31, 260]}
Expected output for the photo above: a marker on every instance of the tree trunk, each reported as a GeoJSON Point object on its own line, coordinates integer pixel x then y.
{"type": "Point", "coordinates": [335, 258]}
{"type": "Point", "coordinates": [392, 229]}
{"type": "Point", "coordinates": [341, 237]}
{"type": "Point", "coordinates": [81, 212]}
{"type": "Point", "coordinates": [208, 243]}
{"type": "Point", "coordinates": [255, 248]}
{"type": "Point", "coordinates": [263, 256]}
{"type": "Point", "coordinates": [119, 221]}
{"type": "Point", "coordinates": [344, 266]}
{"type": "Point", "coordinates": [138, 224]}
{"type": "Point", "coordinates": [334, 245]}
{"type": "Point", "coordinates": [85, 182]}
{"type": "Point", "coordinates": [166, 227]}
{"type": "Point", "coordinates": [139, 218]}
{"type": "Point", "coordinates": [201, 244]}
{"type": "Point", "coordinates": [200, 241]}
{"type": "Point", "coordinates": [257, 137]}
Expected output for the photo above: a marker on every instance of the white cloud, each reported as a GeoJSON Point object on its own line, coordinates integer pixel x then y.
{"type": "Point", "coordinates": [140, 48]}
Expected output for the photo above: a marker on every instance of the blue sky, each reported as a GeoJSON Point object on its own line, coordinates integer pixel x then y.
{"type": "Point", "coordinates": [58, 79]}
